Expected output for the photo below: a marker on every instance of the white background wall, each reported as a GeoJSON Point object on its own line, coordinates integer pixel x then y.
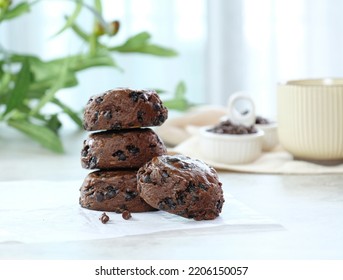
{"type": "Point", "coordinates": [253, 45]}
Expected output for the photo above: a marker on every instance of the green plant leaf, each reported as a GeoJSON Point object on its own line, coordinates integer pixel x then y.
{"type": "Point", "coordinates": [45, 73]}
{"type": "Point", "coordinates": [98, 6]}
{"type": "Point", "coordinates": [70, 20]}
{"type": "Point", "coordinates": [16, 11]}
{"type": "Point", "coordinates": [179, 101]}
{"type": "Point", "coordinates": [157, 51]}
{"type": "Point", "coordinates": [21, 87]}
{"type": "Point", "coordinates": [177, 104]}
{"type": "Point", "coordinates": [45, 136]}
{"type": "Point", "coordinates": [73, 115]}
{"type": "Point", "coordinates": [180, 90]}
{"type": "Point", "coordinates": [54, 123]}
{"type": "Point", "coordinates": [133, 43]}
{"type": "Point", "coordinates": [5, 80]}
{"type": "Point", "coordinates": [160, 91]}
{"type": "Point", "coordinates": [89, 61]}
{"type": "Point", "coordinates": [140, 44]}
{"type": "Point", "coordinates": [45, 70]}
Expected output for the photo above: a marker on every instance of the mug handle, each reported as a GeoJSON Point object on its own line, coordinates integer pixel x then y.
{"type": "Point", "coordinates": [236, 117]}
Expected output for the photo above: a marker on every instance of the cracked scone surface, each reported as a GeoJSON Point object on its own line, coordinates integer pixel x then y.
{"type": "Point", "coordinates": [121, 149]}
{"type": "Point", "coordinates": [181, 185]}
{"type": "Point", "coordinates": [124, 108]}
{"type": "Point", "coordinates": [113, 191]}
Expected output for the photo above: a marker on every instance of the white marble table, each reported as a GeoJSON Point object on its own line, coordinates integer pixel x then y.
{"type": "Point", "coordinates": [309, 210]}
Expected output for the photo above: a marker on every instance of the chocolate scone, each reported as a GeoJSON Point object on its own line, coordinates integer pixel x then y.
{"type": "Point", "coordinates": [124, 108]}
{"type": "Point", "coordinates": [121, 149]}
{"type": "Point", "coordinates": [114, 191]}
{"type": "Point", "coordinates": [182, 186]}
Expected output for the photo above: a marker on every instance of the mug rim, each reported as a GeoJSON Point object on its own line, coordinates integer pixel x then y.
{"type": "Point", "coordinates": [315, 82]}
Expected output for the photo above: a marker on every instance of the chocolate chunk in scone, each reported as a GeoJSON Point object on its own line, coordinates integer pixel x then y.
{"type": "Point", "coordinates": [124, 108]}
{"type": "Point", "coordinates": [114, 191]}
{"type": "Point", "coordinates": [121, 149]}
{"type": "Point", "coordinates": [182, 186]}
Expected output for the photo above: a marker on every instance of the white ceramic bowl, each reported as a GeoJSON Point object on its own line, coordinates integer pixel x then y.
{"type": "Point", "coordinates": [310, 118]}
{"type": "Point", "coordinates": [270, 139]}
{"type": "Point", "coordinates": [230, 149]}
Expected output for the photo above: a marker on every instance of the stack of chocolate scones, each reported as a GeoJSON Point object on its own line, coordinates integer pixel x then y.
{"type": "Point", "coordinates": [122, 144]}
{"type": "Point", "coordinates": [135, 173]}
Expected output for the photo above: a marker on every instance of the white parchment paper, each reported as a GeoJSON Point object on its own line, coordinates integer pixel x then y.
{"type": "Point", "coordinates": [45, 211]}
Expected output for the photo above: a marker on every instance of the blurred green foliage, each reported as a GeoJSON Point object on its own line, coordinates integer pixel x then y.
{"type": "Point", "coordinates": [27, 83]}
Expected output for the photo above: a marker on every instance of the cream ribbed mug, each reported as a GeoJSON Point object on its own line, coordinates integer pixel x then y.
{"type": "Point", "coordinates": [310, 118]}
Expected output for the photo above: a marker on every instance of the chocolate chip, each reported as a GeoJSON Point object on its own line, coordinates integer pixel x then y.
{"type": "Point", "coordinates": [104, 218]}
{"type": "Point", "coordinates": [84, 151]}
{"type": "Point", "coordinates": [120, 155]}
{"type": "Point", "coordinates": [147, 179]}
{"type": "Point", "coordinates": [134, 96]}
{"type": "Point", "coordinates": [191, 187]}
{"type": "Point", "coordinates": [219, 205]}
{"type": "Point", "coordinates": [164, 175]}
{"type": "Point", "coordinates": [190, 216]}
{"type": "Point", "coordinates": [91, 193]}
{"type": "Point", "coordinates": [121, 209]}
{"type": "Point", "coordinates": [172, 159]}
{"type": "Point", "coordinates": [166, 204]}
{"type": "Point", "coordinates": [99, 197]}
{"type": "Point", "coordinates": [242, 130]}
{"type": "Point", "coordinates": [260, 120]}
{"type": "Point", "coordinates": [116, 126]}
{"type": "Point", "coordinates": [252, 129]}
{"type": "Point", "coordinates": [93, 161]}
{"type": "Point", "coordinates": [156, 107]}
{"type": "Point", "coordinates": [129, 195]}
{"type": "Point", "coordinates": [140, 115]}
{"type": "Point", "coordinates": [144, 97]}
{"type": "Point", "coordinates": [226, 127]}
{"type": "Point", "coordinates": [203, 186]}
{"type": "Point", "coordinates": [152, 145]}
{"type": "Point", "coordinates": [181, 213]}
{"type": "Point", "coordinates": [111, 192]}
{"type": "Point", "coordinates": [183, 165]}
{"type": "Point", "coordinates": [126, 215]}
{"type": "Point", "coordinates": [95, 116]}
{"type": "Point", "coordinates": [180, 198]}
{"type": "Point", "coordinates": [99, 100]}
{"type": "Point", "coordinates": [90, 100]}
{"type": "Point", "coordinates": [132, 149]}
{"type": "Point", "coordinates": [108, 115]}
{"type": "Point", "coordinates": [159, 120]}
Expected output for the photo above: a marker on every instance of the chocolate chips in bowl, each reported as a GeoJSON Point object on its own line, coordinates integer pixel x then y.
{"type": "Point", "coordinates": [270, 139]}
{"type": "Point", "coordinates": [227, 127]}
{"type": "Point", "coordinates": [228, 143]}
